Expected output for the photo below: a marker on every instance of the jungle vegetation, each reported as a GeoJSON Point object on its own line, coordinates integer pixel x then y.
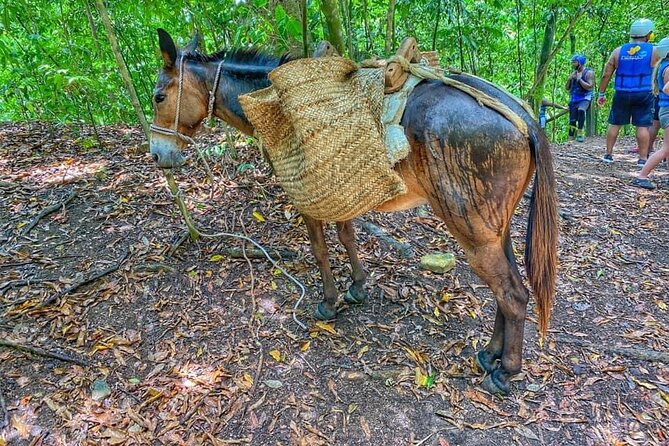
{"type": "Point", "coordinates": [57, 60]}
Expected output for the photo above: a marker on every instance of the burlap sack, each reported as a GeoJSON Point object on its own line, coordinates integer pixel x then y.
{"type": "Point", "coordinates": [321, 125]}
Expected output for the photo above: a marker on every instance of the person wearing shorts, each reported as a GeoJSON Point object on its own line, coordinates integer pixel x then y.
{"type": "Point", "coordinates": [579, 84]}
{"type": "Point", "coordinates": [633, 98]}
{"type": "Point", "coordinates": [661, 87]}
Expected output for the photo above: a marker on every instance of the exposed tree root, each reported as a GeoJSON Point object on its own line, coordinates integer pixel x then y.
{"type": "Point", "coordinates": [640, 353]}
{"type": "Point", "coordinates": [48, 210]}
{"type": "Point", "coordinates": [76, 285]}
{"type": "Point", "coordinates": [41, 352]}
{"type": "Point", "coordinates": [404, 249]}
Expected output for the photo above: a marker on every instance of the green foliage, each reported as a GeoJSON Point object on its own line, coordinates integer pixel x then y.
{"type": "Point", "coordinates": [56, 63]}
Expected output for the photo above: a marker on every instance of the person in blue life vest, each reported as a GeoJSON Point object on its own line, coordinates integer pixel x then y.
{"type": "Point", "coordinates": [661, 88]}
{"type": "Point", "coordinates": [579, 84]}
{"type": "Point", "coordinates": [633, 98]}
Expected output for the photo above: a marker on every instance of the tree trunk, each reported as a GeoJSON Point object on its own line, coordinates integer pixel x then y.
{"type": "Point", "coordinates": [125, 74]}
{"type": "Point", "coordinates": [305, 27]}
{"type": "Point", "coordinates": [330, 10]}
{"type": "Point", "coordinates": [460, 39]}
{"type": "Point", "coordinates": [390, 27]}
{"type": "Point", "coordinates": [368, 35]}
{"type": "Point", "coordinates": [94, 28]}
{"type": "Point", "coordinates": [436, 26]}
{"type": "Point", "coordinates": [542, 67]}
{"type": "Point", "coordinates": [519, 52]}
{"type": "Point", "coordinates": [572, 44]}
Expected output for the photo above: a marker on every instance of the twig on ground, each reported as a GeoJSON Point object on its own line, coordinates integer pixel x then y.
{"type": "Point", "coordinates": [253, 279]}
{"type": "Point", "coordinates": [76, 285]}
{"type": "Point", "coordinates": [48, 210]}
{"type": "Point", "coordinates": [41, 352]}
{"type": "Point", "coordinates": [633, 353]}
{"type": "Point", "coordinates": [173, 249]}
{"type": "Point", "coordinates": [12, 265]}
{"type": "Point", "coordinates": [4, 421]}
{"type": "Point", "coordinates": [255, 381]}
{"type": "Point", "coordinates": [404, 249]}
{"type": "Point", "coordinates": [193, 409]}
{"type": "Point", "coordinates": [23, 282]}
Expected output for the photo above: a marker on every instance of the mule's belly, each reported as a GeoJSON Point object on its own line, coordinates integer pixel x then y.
{"type": "Point", "coordinates": [401, 203]}
{"type": "Point", "coordinates": [415, 195]}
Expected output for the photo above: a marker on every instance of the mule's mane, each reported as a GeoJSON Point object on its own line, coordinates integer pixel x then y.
{"type": "Point", "coordinates": [241, 60]}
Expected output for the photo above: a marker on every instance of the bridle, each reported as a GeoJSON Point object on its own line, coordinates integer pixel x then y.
{"type": "Point", "coordinates": [174, 131]}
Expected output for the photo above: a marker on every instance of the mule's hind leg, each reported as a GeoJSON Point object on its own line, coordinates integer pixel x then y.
{"type": "Point", "coordinates": [487, 358]}
{"type": "Point", "coordinates": [356, 292]}
{"type": "Point", "coordinates": [325, 309]}
{"type": "Point", "coordinates": [492, 265]}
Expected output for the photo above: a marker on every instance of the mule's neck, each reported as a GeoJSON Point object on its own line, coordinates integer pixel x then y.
{"type": "Point", "coordinates": [231, 85]}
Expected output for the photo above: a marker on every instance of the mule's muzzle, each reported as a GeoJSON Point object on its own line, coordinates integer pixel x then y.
{"type": "Point", "coordinates": [166, 156]}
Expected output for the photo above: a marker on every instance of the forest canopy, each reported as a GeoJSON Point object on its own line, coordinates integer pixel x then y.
{"type": "Point", "coordinates": [57, 63]}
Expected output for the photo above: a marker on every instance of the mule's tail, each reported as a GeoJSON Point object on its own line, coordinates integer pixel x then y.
{"type": "Point", "coordinates": [542, 230]}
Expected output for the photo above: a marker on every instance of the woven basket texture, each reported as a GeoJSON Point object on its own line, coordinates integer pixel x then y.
{"type": "Point", "coordinates": [320, 122]}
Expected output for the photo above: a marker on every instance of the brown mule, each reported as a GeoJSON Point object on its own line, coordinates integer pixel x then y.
{"type": "Point", "coordinates": [468, 162]}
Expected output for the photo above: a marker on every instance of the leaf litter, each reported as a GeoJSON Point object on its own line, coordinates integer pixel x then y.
{"type": "Point", "coordinates": [199, 348]}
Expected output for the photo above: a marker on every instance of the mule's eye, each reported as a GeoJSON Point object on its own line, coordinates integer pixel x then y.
{"type": "Point", "coordinates": [159, 97]}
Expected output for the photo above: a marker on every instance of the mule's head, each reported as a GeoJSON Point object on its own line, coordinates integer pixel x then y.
{"type": "Point", "coordinates": [179, 103]}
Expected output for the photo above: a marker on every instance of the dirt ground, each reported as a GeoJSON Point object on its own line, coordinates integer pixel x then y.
{"type": "Point", "coordinates": [107, 339]}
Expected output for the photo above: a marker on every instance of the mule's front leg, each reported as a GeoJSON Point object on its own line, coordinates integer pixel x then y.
{"type": "Point", "coordinates": [325, 310]}
{"type": "Point", "coordinates": [356, 292]}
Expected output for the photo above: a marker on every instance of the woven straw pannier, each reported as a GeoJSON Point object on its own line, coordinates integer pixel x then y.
{"type": "Point", "coordinates": [320, 122]}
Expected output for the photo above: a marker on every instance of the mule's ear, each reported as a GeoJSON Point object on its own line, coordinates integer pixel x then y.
{"type": "Point", "coordinates": [192, 45]}
{"type": "Point", "coordinates": [167, 48]}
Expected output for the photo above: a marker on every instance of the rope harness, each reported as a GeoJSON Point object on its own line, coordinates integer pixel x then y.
{"type": "Point", "coordinates": [174, 131]}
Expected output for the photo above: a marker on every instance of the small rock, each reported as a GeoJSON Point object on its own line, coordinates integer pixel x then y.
{"type": "Point", "coordinates": [438, 263]}
{"type": "Point", "coordinates": [579, 369]}
{"type": "Point", "coordinates": [533, 387]}
{"type": "Point", "coordinates": [581, 306]}
{"type": "Point", "coordinates": [273, 383]}
{"type": "Point", "coordinates": [100, 390]}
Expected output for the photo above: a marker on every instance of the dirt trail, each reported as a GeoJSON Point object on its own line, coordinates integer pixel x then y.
{"type": "Point", "coordinates": [200, 348]}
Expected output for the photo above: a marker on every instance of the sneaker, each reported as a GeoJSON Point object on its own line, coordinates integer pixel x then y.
{"type": "Point", "coordinates": [580, 138]}
{"type": "Point", "coordinates": [640, 163]}
{"type": "Point", "coordinates": [608, 158]}
{"type": "Point", "coordinates": [644, 183]}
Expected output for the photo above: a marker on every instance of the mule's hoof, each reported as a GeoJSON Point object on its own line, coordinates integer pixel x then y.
{"type": "Point", "coordinates": [483, 360]}
{"type": "Point", "coordinates": [322, 313]}
{"type": "Point", "coordinates": [355, 297]}
{"type": "Point", "coordinates": [494, 385]}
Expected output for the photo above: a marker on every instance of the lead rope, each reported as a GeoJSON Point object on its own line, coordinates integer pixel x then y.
{"type": "Point", "coordinates": [176, 192]}
{"type": "Point", "coordinates": [181, 85]}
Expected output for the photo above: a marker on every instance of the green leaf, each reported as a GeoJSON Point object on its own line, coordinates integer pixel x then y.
{"type": "Point", "coordinates": [279, 14]}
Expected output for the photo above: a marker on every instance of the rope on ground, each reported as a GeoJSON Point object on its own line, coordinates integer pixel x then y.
{"type": "Point", "coordinates": [274, 264]}
{"type": "Point", "coordinates": [196, 234]}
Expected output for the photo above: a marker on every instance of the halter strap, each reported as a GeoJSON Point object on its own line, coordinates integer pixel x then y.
{"type": "Point", "coordinates": [212, 92]}
{"type": "Point", "coordinates": [174, 131]}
